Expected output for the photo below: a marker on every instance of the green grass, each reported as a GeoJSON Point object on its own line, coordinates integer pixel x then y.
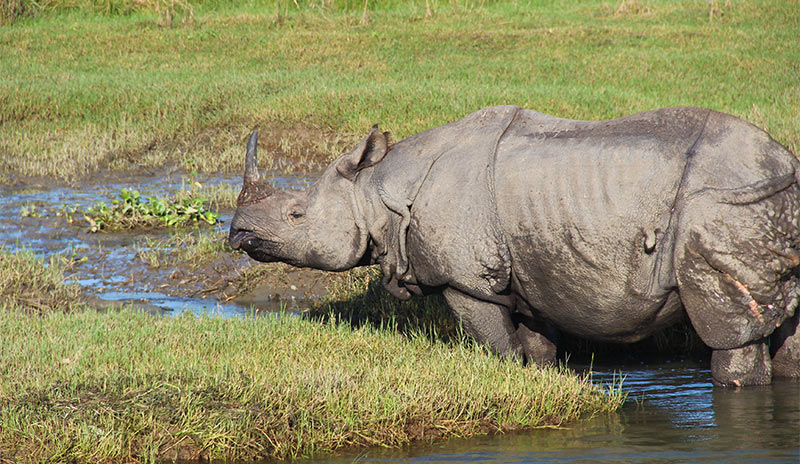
{"type": "Point", "coordinates": [93, 387]}
{"type": "Point", "coordinates": [82, 92]}
{"type": "Point", "coordinates": [358, 298]}
{"type": "Point", "coordinates": [124, 386]}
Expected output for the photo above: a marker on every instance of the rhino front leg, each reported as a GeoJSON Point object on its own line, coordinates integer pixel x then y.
{"type": "Point", "coordinates": [538, 338]}
{"type": "Point", "coordinates": [488, 323]}
{"type": "Point", "coordinates": [748, 365]}
{"type": "Point", "coordinates": [786, 349]}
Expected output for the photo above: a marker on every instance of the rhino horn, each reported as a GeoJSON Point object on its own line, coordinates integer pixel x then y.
{"type": "Point", "coordinates": [251, 161]}
{"type": "Point", "coordinates": [253, 190]}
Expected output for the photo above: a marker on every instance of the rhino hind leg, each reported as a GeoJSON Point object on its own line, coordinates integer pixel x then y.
{"type": "Point", "coordinates": [486, 322]}
{"type": "Point", "coordinates": [748, 365]}
{"type": "Point", "coordinates": [737, 271]}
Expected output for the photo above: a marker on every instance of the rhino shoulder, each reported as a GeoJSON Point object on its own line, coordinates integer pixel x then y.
{"type": "Point", "coordinates": [436, 193]}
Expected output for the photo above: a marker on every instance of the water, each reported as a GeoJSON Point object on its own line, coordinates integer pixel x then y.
{"type": "Point", "coordinates": [673, 415]}
{"type": "Point", "coordinates": [106, 263]}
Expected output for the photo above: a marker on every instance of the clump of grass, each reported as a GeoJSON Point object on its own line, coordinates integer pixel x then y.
{"type": "Point", "coordinates": [30, 210]}
{"type": "Point", "coordinates": [186, 248]}
{"type": "Point", "coordinates": [169, 12]}
{"type": "Point", "coordinates": [248, 278]}
{"type": "Point", "coordinates": [35, 285]}
{"type": "Point", "coordinates": [258, 388]}
{"type": "Point", "coordinates": [131, 211]}
{"type": "Point", "coordinates": [221, 196]}
{"type": "Point", "coordinates": [11, 10]}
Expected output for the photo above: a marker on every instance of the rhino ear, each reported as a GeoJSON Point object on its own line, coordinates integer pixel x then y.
{"type": "Point", "coordinates": [368, 153]}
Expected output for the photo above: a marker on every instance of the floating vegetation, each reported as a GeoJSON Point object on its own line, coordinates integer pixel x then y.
{"type": "Point", "coordinates": [131, 211]}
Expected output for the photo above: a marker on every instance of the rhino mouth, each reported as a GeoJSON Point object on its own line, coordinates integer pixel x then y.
{"type": "Point", "coordinates": [257, 248]}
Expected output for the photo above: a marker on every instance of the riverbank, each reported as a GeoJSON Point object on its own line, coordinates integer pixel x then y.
{"type": "Point", "coordinates": [84, 386]}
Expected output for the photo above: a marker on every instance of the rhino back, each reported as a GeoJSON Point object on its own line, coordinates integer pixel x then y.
{"type": "Point", "coordinates": [586, 210]}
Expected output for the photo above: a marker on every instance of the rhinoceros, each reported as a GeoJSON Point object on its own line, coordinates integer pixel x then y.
{"type": "Point", "coordinates": [607, 230]}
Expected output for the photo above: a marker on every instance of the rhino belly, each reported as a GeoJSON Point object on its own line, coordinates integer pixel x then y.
{"type": "Point", "coordinates": [586, 217]}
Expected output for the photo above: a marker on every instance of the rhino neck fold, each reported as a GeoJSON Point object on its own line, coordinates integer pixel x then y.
{"type": "Point", "coordinates": [408, 183]}
{"type": "Point", "coordinates": [386, 219]}
{"type": "Point", "coordinates": [360, 215]}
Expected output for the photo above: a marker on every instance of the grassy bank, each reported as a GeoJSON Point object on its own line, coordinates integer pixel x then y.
{"type": "Point", "coordinates": [84, 90]}
{"type": "Point", "coordinates": [82, 386]}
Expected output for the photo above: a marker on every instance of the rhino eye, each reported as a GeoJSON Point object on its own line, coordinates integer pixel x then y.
{"type": "Point", "coordinates": [295, 215]}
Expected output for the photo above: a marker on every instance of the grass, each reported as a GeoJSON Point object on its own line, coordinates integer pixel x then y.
{"type": "Point", "coordinates": [82, 386]}
{"type": "Point", "coordinates": [33, 285]}
{"type": "Point", "coordinates": [84, 90]}
{"type": "Point", "coordinates": [92, 391]}
{"type": "Point", "coordinates": [358, 298]}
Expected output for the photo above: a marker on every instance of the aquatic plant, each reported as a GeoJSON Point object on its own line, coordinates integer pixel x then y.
{"type": "Point", "coordinates": [131, 211]}
{"type": "Point", "coordinates": [30, 210]}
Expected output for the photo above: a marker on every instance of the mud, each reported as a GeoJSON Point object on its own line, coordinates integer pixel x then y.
{"type": "Point", "coordinates": [148, 267]}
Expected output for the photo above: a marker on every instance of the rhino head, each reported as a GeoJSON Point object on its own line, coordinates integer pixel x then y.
{"type": "Point", "coordinates": [320, 226]}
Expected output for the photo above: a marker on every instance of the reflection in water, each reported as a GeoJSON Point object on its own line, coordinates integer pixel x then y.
{"type": "Point", "coordinates": [673, 415]}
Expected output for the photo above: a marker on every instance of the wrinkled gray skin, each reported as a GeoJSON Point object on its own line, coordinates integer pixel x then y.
{"type": "Point", "coordinates": [607, 230]}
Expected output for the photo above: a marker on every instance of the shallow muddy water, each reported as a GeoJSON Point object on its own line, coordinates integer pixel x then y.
{"type": "Point", "coordinates": [673, 415]}
{"type": "Point", "coordinates": [106, 264]}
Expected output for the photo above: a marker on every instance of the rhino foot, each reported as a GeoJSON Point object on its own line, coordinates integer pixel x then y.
{"type": "Point", "coordinates": [538, 348]}
{"type": "Point", "coordinates": [739, 367]}
{"type": "Point", "coordinates": [786, 348]}
{"type": "Point", "coordinates": [538, 339]}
